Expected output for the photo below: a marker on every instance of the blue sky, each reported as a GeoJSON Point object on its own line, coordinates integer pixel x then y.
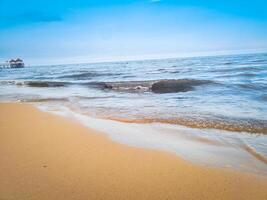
{"type": "Point", "coordinates": [65, 31]}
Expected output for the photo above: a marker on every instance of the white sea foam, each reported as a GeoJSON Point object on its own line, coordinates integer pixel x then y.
{"type": "Point", "coordinates": [205, 147]}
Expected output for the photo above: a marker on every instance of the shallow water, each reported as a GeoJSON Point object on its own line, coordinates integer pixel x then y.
{"type": "Point", "coordinates": [219, 94]}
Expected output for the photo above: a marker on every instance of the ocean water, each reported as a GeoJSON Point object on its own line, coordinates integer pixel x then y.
{"type": "Point", "coordinates": [216, 102]}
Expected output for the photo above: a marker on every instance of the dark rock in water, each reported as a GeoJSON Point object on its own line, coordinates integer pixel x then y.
{"type": "Point", "coordinates": [156, 86]}
{"type": "Point", "coordinates": [107, 86]}
{"type": "Point", "coordinates": [45, 84]}
{"type": "Point", "coordinates": [97, 85]}
{"type": "Point", "coordinates": [172, 86]}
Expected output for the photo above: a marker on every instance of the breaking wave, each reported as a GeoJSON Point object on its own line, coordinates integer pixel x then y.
{"type": "Point", "coordinates": [157, 86]}
{"type": "Point", "coordinates": [40, 100]}
{"type": "Point", "coordinates": [235, 125]}
{"type": "Point", "coordinates": [42, 83]}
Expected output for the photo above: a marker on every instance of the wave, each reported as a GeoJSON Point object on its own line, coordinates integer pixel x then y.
{"type": "Point", "coordinates": [130, 86]}
{"type": "Point", "coordinates": [8, 82]}
{"type": "Point", "coordinates": [80, 76]}
{"type": "Point", "coordinates": [254, 153]}
{"type": "Point", "coordinates": [245, 75]}
{"type": "Point", "coordinates": [175, 72]}
{"type": "Point", "coordinates": [35, 83]}
{"type": "Point", "coordinates": [235, 125]}
{"type": "Point", "coordinates": [100, 85]}
{"type": "Point", "coordinates": [40, 100]}
{"type": "Point", "coordinates": [87, 75]}
{"type": "Point", "coordinates": [251, 86]}
{"type": "Point", "coordinates": [63, 99]}
{"type": "Point", "coordinates": [157, 86]}
{"type": "Point", "coordinates": [42, 83]}
{"type": "Point", "coordinates": [181, 85]}
{"type": "Point", "coordinates": [239, 69]}
{"type": "Point", "coordinates": [263, 98]}
{"type": "Point", "coordinates": [228, 63]}
{"type": "Point", "coordinates": [259, 61]}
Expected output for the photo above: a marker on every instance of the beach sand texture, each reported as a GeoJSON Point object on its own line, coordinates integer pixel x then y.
{"type": "Point", "coordinates": [43, 156]}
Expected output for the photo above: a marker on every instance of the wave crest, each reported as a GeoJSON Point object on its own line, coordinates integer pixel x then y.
{"type": "Point", "coordinates": [42, 84]}
{"type": "Point", "coordinates": [157, 86]}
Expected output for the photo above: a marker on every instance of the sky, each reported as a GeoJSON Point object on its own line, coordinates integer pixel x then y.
{"type": "Point", "coordinates": [78, 31]}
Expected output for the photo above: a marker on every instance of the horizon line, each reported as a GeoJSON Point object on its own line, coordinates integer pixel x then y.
{"type": "Point", "coordinates": [197, 54]}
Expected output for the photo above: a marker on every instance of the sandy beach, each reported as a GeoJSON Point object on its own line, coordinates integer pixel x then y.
{"type": "Point", "coordinates": [43, 156]}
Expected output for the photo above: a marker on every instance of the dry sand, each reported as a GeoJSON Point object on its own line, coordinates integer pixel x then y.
{"type": "Point", "coordinates": [43, 156]}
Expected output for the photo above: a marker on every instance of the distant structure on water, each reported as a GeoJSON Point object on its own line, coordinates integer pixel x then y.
{"type": "Point", "coordinates": [18, 63]}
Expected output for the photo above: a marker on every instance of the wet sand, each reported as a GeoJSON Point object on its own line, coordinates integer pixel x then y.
{"type": "Point", "coordinates": [43, 156]}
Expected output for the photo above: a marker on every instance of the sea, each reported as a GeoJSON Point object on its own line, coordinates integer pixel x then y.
{"type": "Point", "coordinates": [209, 110]}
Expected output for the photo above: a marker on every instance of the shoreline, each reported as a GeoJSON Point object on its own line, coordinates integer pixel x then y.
{"type": "Point", "coordinates": [44, 156]}
{"type": "Point", "coordinates": [212, 148]}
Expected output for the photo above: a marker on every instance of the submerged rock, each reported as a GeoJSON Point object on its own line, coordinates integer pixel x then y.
{"type": "Point", "coordinates": [181, 85]}
{"type": "Point", "coordinates": [44, 84]}
{"type": "Point", "coordinates": [156, 86]}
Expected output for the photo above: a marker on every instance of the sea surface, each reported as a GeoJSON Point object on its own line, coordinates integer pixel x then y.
{"type": "Point", "coordinates": [201, 108]}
